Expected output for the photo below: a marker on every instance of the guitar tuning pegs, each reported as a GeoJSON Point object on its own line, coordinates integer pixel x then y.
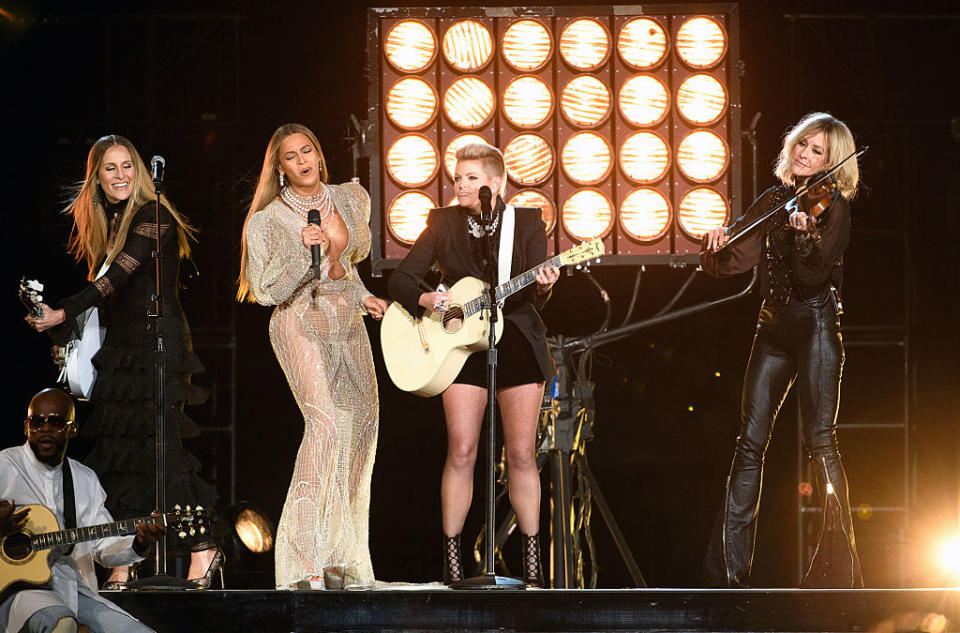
{"type": "Point", "coordinates": [199, 508]}
{"type": "Point", "coordinates": [193, 532]}
{"type": "Point", "coordinates": [182, 534]}
{"type": "Point", "coordinates": [188, 508]}
{"type": "Point", "coordinates": [203, 530]}
{"type": "Point", "coordinates": [177, 507]}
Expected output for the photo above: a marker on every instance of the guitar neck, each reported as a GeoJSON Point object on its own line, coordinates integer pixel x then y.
{"type": "Point", "coordinates": [50, 540]}
{"type": "Point", "coordinates": [512, 286]}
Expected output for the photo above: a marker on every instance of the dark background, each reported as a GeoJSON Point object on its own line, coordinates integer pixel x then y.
{"type": "Point", "coordinates": [206, 84]}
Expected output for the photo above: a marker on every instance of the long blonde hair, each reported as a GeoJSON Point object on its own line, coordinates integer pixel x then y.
{"type": "Point", "coordinates": [268, 188]}
{"type": "Point", "coordinates": [89, 236]}
{"type": "Point", "coordinates": [840, 144]}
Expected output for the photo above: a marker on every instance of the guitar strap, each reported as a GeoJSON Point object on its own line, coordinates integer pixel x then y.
{"type": "Point", "coordinates": [505, 257]}
{"type": "Point", "coordinates": [69, 502]}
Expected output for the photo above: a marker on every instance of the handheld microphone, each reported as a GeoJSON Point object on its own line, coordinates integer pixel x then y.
{"type": "Point", "coordinates": [486, 210]}
{"type": "Point", "coordinates": [157, 163]}
{"type": "Point", "coordinates": [313, 217]}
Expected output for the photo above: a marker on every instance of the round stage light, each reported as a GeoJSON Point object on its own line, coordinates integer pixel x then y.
{"type": "Point", "coordinates": [701, 99]}
{"type": "Point", "coordinates": [585, 44]}
{"type": "Point", "coordinates": [702, 156]}
{"type": "Point", "coordinates": [642, 43]}
{"type": "Point", "coordinates": [643, 100]}
{"type": "Point", "coordinates": [644, 157]}
{"type": "Point", "coordinates": [527, 46]}
{"type": "Point", "coordinates": [700, 210]}
{"type": "Point", "coordinates": [412, 160]}
{"type": "Point", "coordinates": [468, 45]}
{"type": "Point", "coordinates": [410, 46]}
{"type": "Point", "coordinates": [527, 102]}
{"type": "Point", "coordinates": [469, 103]}
{"type": "Point", "coordinates": [529, 159]}
{"type": "Point", "coordinates": [450, 156]}
{"type": "Point", "coordinates": [587, 214]}
{"type": "Point", "coordinates": [586, 158]}
{"type": "Point", "coordinates": [411, 103]}
{"type": "Point", "coordinates": [585, 101]}
{"type": "Point", "coordinates": [701, 42]}
{"type": "Point", "coordinates": [407, 215]}
{"type": "Point", "coordinates": [645, 214]}
{"type": "Point", "coordinates": [535, 198]}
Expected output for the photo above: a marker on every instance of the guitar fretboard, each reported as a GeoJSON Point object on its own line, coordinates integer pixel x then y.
{"type": "Point", "coordinates": [507, 288]}
{"type": "Point", "coordinates": [73, 536]}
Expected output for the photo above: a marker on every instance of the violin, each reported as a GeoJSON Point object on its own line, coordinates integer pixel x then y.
{"type": "Point", "coordinates": [815, 200]}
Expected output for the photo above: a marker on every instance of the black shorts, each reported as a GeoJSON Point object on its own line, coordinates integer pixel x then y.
{"type": "Point", "coordinates": [516, 362]}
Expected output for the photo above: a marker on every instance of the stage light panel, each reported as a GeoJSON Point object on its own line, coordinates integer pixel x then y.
{"type": "Point", "coordinates": [529, 159]}
{"type": "Point", "coordinates": [469, 103]}
{"type": "Point", "coordinates": [527, 46]}
{"type": "Point", "coordinates": [585, 44]}
{"type": "Point", "coordinates": [643, 100]}
{"type": "Point", "coordinates": [700, 210]}
{"type": "Point", "coordinates": [450, 156]}
{"type": "Point", "coordinates": [407, 215]}
{"type": "Point", "coordinates": [587, 214]}
{"type": "Point", "coordinates": [701, 99]}
{"type": "Point", "coordinates": [701, 42]}
{"type": "Point", "coordinates": [585, 101]}
{"type": "Point", "coordinates": [527, 102]}
{"type": "Point", "coordinates": [410, 46]}
{"type": "Point", "coordinates": [411, 103]}
{"type": "Point", "coordinates": [642, 43]}
{"type": "Point", "coordinates": [645, 214]}
{"type": "Point", "coordinates": [586, 158]}
{"type": "Point", "coordinates": [702, 156]}
{"type": "Point", "coordinates": [535, 198]}
{"type": "Point", "coordinates": [468, 45]}
{"type": "Point", "coordinates": [412, 160]}
{"type": "Point", "coordinates": [644, 157]}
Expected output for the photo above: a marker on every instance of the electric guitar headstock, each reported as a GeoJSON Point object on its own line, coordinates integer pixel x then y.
{"type": "Point", "coordinates": [584, 252]}
{"type": "Point", "coordinates": [30, 296]}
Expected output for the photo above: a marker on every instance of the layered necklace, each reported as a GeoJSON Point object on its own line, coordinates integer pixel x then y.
{"type": "Point", "coordinates": [478, 229]}
{"type": "Point", "coordinates": [323, 201]}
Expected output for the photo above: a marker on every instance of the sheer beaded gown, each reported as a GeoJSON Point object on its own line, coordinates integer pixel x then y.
{"type": "Point", "coordinates": [319, 338]}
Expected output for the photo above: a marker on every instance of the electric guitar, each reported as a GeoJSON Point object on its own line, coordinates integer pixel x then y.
{"type": "Point", "coordinates": [21, 559]}
{"type": "Point", "coordinates": [425, 355]}
{"type": "Point", "coordinates": [76, 357]}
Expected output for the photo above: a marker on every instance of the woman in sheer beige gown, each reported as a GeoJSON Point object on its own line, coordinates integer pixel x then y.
{"type": "Point", "coordinates": [319, 338]}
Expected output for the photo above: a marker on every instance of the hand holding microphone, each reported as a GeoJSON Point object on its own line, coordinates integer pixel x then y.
{"type": "Point", "coordinates": [315, 239]}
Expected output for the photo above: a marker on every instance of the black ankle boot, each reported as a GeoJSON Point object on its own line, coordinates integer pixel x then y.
{"type": "Point", "coordinates": [530, 560]}
{"type": "Point", "coordinates": [452, 567]}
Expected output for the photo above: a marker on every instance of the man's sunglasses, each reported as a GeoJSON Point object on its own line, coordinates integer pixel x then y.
{"type": "Point", "coordinates": [56, 421]}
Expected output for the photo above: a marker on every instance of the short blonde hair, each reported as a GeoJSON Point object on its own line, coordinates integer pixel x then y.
{"type": "Point", "coordinates": [489, 156]}
{"type": "Point", "coordinates": [840, 144]}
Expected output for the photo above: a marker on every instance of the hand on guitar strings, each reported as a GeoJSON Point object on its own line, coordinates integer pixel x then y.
{"type": "Point", "coordinates": [148, 534]}
{"type": "Point", "coordinates": [10, 520]}
{"type": "Point", "coordinates": [50, 318]}
{"type": "Point", "coordinates": [546, 277]}
{"type": "Point", "coordinates": [436, 301]}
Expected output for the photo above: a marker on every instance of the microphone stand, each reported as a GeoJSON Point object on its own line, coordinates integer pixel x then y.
{"type": "Point", "coordinates": [489, 579]}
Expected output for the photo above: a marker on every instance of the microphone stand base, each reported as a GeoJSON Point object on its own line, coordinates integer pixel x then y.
{"type": "Point", "coordinates": [161, 582]}
{"type": "Point", "coordinates": [488, 582]}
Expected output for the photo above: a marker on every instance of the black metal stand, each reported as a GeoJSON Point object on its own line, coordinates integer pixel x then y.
{"type": "Point", "coordinates": [160, 579]}
{"type": "Point", "coordinates": [489, 579]}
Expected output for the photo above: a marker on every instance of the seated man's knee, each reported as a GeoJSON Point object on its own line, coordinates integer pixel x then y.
{"type": "Point", "coordinates": [65, 625]}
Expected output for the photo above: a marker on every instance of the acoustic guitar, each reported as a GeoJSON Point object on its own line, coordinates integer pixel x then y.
{"type": "Point", "coordinates": [425, 355]}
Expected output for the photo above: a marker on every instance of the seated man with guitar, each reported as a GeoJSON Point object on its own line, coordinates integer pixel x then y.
{"type": "Point", "coordinates": [457, 239]}
{"type": "Point", "coordinates": [47, 580]}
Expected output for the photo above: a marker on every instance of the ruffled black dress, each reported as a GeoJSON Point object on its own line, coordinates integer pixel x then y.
{"type": "Point", "coordinates": [123, 421]}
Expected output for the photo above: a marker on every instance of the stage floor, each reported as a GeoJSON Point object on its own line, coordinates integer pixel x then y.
{"type": "Point", "coordinates": [881, 610]}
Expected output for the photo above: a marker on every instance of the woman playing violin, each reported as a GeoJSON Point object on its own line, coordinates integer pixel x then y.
{"type": "Point", "coordinates": [799, 251]}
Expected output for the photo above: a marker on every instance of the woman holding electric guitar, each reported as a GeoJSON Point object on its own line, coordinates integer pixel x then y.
{"type": "Point", "coordinates": [799, 250]}
{"type": "Point", "coordinates": [455, 240]}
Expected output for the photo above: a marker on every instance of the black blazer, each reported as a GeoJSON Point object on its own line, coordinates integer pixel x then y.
{"type": "Point", "coordinates": [445, 242]}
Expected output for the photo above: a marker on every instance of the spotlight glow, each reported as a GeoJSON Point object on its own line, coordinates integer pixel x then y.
{"type": "Point", "coordinates": [644, 157]}
{"type": "Point", "coordinates": [529, 159]}
{"type": "Point", "coordinates": [702, 156]}
{"type": "Point", "coordinates": [410, 46]}
{"type": "Point", "coordinates": [585, 101]}
{"type": "Point", "coordinates": [450, 156]}
{"type": "Point", "coordinates": [586, 158]}
{"type": "Point", "coordinates": [642, 43]}
{"type": "Point", "coordinates": [411, 103]}
{"type": "Point", "coordinates": [643, 100]}
{"type": "Point", "coordinates": [468, 45]}
{"type": "Point", "coordinates": [469, 103]}
{"type": "Point", "coordinates": [587, 214]}
{"type": "Point", "coordinates": [527, 102]}
{"type": "Point", "coordinates": [407, 215]}
{"type": "Point", "coordinates": [701, 42]}
{"type": "Point", "coordinates": [584, 44]}
{"type": "Point", "coordinates": [535, 198]}
{"type": "Point", "coordinates": [645, 214]}
{"type": "Point", "coordinates": [701, 99]}
{"type": "Point", "coordinates": [527, 45]}
{"type": "Point", "coordinates": [700, 210]}
{"type": "Point", "coordinates": [412, 160]}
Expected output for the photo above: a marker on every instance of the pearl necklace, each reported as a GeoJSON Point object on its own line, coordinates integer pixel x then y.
{"type": "Point", "coordinates": [479, 230]}
{"type": "Point", "coordinates": [323, 202]}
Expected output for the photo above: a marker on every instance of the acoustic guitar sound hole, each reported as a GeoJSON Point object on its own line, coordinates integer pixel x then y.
{"type": "Point", "coordinates": [17, 546]}
{"type": "Point", "coordinates": [453, 319]}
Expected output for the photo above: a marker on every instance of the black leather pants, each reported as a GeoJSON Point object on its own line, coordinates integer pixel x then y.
{"type": "Point", "coordinates": [802, 345]}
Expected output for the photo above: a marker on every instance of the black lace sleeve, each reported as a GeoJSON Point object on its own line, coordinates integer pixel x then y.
{"type": "Point", "coordinates": [745, 253]}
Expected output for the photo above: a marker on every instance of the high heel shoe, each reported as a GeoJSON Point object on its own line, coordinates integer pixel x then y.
{"type": "Point", "coordinates": [120, 585]}
{"type": "Point", "coordinates": [530, 561]}
{"type": "Point", "coordinates": [452, 566]}
{"type": "Point", "coordinates": [215, 567]}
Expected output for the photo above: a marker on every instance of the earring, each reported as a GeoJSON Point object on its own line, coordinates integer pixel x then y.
{"type": "Point", "coordinates": [282, 182]}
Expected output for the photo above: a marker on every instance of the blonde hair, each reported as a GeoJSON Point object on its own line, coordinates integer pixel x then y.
{"type": "Point", "coordinates": [491, 159]}
{"type": "Point", "coordinates": [89, 236]}
{"type": "Point", "coordinates": [839, 145]}
{"type": "Point", "coordinates": [268, 188]}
